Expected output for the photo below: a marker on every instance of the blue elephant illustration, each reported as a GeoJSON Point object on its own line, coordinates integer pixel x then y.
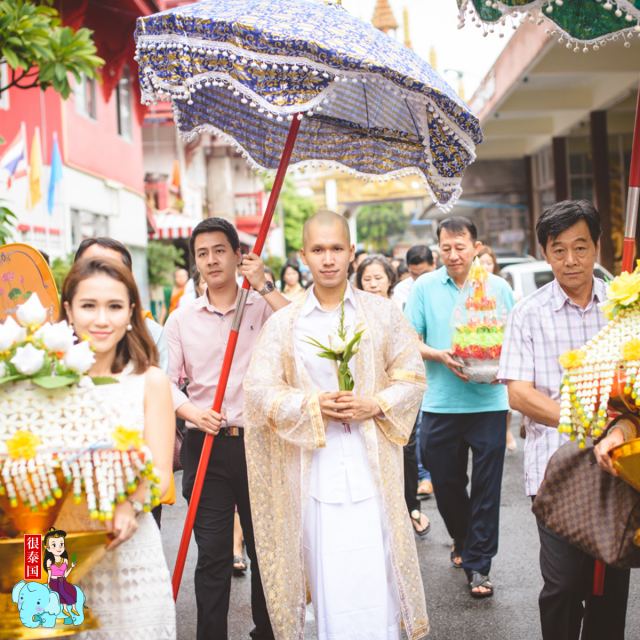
{"type": "Point", "coordinates": [38, 605]}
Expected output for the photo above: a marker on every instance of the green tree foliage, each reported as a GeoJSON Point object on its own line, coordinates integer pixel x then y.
{"type": "Point", "coordinates": [6, 224]}
{"type": "Point", "coordinates": [60, 267]}
{"type": "Point", "coordinates": [377, 222]}
{"type": "Point", "coordinates": [40, 52]}
{"type": "Point", "coordinates": [297, 209]}
{"type": "Point", "coordinates": [163, 260]}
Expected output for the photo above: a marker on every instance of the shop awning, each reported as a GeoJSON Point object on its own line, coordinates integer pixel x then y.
{"type": "Point", "coordinates": [169, 226]}
{"type": "Point", "coordinates": [250, 224]}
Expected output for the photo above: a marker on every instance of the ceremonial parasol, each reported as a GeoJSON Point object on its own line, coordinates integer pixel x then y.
{"type": "Point", "coordinates": [261, 73]}
{"type": "Point", "coordinates": [581, 23]}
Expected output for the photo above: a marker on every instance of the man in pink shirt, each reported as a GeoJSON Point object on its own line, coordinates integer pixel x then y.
{"type": "Point", "coordinates": [197, 335]}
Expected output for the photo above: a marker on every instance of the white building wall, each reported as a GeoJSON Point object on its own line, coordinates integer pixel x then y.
{"type": "Point", "coordinates": [85, 206]}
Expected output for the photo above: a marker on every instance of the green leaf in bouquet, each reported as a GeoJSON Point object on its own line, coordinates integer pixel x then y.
{"type": "Point", "coordinates": [55, 382]}
{"type": "Point", "coordinates": [329, 355]}
{"type": "Point", "coordinates": [99, 380]}
{"type": "Point", "coordinates": [74, 557]}
{"type": "Point", "coordinates": [10, 379]}
{"type": "Point", "coordinates": [315, 343]}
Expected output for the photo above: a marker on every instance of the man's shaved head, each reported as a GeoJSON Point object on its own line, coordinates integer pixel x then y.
{"type": "Point", "coordinates": [325, 219]}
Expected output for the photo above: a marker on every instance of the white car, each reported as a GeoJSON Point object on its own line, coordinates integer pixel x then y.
{"type": "Point", "coordinates": [526, 277]}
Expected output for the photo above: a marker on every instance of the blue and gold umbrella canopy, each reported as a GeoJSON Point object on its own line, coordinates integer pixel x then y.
{"type": "Point", "coordinates": [245, 69]}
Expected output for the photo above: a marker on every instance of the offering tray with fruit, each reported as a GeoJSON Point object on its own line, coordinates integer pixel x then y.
{"type": "Point", "coordinates": [477, 326]}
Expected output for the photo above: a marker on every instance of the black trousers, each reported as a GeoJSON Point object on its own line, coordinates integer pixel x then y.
{"type": "Point", "coordinates": [568, 583]}
{"type": "Point", "coordinates": [225, 485]}
{"type": "Point", "coordinates": [445, 440]}
{"type": "Point", "coordinates": [411, 471]}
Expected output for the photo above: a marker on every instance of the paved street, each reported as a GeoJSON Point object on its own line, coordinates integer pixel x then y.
{"type": "Point", "coordinates": [512, 614]}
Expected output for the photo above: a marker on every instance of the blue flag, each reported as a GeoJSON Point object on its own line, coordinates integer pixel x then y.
{"type": "Point", "coordinates": [56, 174]}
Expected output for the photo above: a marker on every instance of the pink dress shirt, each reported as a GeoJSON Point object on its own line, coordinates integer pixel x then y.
{"type": "Point", "coordinates": [197, 335]}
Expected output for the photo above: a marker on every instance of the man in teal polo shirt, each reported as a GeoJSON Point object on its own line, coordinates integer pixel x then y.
{"type": "Point", "coordinates": [459, 415]}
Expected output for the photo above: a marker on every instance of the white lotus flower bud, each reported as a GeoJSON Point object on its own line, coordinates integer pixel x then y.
{"type": "Point", "coordinates": [79, 358]}
{"type": "Point", "coordinates": [28, 360]}
{"type": "Point", "coordinates": [10, 333]}
{"type": "Point", "coordinates": [31, 313]}
{"type": "Point", "coordinates": [58, 337]}
{"type": "Point", "coordinates": [355, 348]}
{"type": "Point", "coordinates": [86, 383]}
{"type": "Point", "coordinates": [336, 344]}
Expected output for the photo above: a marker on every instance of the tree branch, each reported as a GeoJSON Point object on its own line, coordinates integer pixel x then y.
{"type": "Point", "coordinates": [15, 82]}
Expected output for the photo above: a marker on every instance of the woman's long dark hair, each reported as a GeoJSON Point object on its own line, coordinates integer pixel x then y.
{"type": "Point", "coordinates": [53, 533]}
{"type": "Point", "coordinates": [289, 265]}
{"type": "Point", "coordinates": [136, 345]}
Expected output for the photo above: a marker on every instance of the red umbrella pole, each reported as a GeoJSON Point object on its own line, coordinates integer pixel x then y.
{"type": "Point", "coordinates": [228, 357]}
{"type": "Point", "coordinates": [633, 198]}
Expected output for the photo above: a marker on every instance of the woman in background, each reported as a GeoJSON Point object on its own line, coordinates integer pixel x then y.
{"type": "Point", "coordinates": [376, 275]}
{"type": "Point", "coordinates": [291, 282]}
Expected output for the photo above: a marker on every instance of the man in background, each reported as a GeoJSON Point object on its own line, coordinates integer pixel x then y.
{"type": "Point", "coordinates": [459, 416]}
{"type": "Point", "coordinates": [197, 335]}
{"type": "Point", "coordinates": [561, 316]}
{"type": "Point", "coordinates": [419, 261]}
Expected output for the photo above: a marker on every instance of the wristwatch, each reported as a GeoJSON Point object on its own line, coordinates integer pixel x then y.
{"type": "Point", "coordinates": [268, 288]}
{"type": "Point", "coordinates": [138, 507]}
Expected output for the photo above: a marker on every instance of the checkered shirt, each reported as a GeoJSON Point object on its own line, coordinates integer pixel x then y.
{"type": "Point", "coordinates": [539, 330]}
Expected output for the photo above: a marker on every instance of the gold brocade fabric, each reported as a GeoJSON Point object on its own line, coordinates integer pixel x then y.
{"type": "Point", "coordinates": [283, 425]}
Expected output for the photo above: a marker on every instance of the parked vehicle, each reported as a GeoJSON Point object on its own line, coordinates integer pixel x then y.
{"type": "Point", "coordinates": [525, 277]}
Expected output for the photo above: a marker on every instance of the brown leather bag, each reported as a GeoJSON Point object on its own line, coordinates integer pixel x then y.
{"type": "Point", "coordinates": [589, 508]}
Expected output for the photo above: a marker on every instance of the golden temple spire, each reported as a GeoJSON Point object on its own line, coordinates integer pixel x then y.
{"type": "Point", "coordinates": [407, 38]}
{"type": "Point", "coordinates": [433, 59]}
{"type": "Point", "coordinates": [383, 17]}
{"type": "Point", "coordinates": [461, 88]}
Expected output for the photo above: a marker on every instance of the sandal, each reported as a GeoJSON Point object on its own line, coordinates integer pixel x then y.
{"type": "Point", "coordinates": [425, 490]}
{"type": "Point", "coordinates": [456, 552]}
{"type": "Point", "coordinates": [478, 580]}
{"type": "Point", "coordinates": [239, 571]}
{"type": "Point", "coordinates": [416, 516]}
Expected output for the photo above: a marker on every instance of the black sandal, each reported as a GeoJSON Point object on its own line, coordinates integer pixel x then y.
{"type": "Point", "coordinates": [419, 521]}
{"type": "Point", "coordinates": [478, 580]}
{"type": "Point", "coordinates": [239, 571]}
{"type": "Point", "coordinates": [456, 552]}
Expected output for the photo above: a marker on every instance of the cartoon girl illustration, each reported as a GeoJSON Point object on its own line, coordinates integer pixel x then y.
{"type": "Point", "coordinates": [56, 563]}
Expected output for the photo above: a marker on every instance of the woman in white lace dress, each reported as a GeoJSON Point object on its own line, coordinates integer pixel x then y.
{"type": "Point", "coordinates": [130, 589]}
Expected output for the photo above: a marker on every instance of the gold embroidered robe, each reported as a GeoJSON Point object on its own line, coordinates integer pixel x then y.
{"type": "Point", "coordinates": [283, 425]}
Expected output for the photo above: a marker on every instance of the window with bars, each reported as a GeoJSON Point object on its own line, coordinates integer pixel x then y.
{"type": "Point", "coordinates": [123, 100]}
{"type": "Point", "coordinates": [85, 97]}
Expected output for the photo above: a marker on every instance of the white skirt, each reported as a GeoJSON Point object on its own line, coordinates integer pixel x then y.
{"type": "Point", "coordinates": [348, 565]}
{"type": "Point", "coordinates": [130, 590]}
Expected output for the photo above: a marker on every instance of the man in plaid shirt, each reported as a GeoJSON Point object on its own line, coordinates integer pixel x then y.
{"type": "Point", "coordinates": [562, 315]}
